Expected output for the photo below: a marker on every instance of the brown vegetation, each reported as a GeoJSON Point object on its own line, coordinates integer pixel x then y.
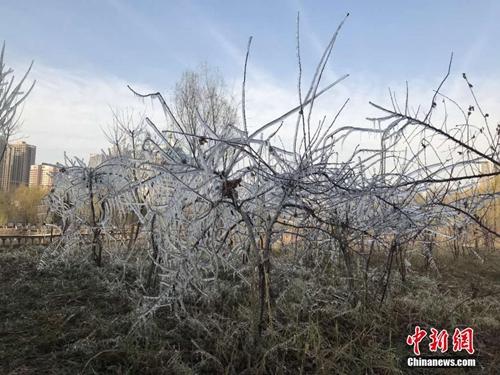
{"type": "Point", "coordinates": [21, 205]}
{"type": "Point", "coordinates": [61, 321]}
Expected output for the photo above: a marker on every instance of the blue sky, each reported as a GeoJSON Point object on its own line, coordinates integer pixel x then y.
{"type": "Point", "coordinates": [83, 46]}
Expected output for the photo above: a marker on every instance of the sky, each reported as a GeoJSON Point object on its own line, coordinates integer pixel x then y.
{"type": "Point", "coordinates": [86, 52]}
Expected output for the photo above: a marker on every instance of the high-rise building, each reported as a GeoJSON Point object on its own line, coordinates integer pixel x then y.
{"type": "Point", "coordinates": [15, 165]}
{"type": "Point", "coordinates": [95, 160]}
{"type": "Point", "coordinates": [23, 158]}
{"type": "Point", "coordinates": [3, 147]}
{"type": "Point", "coordinates": [5, 165]}
{"type": "Point", "coordinates": [42, 175]}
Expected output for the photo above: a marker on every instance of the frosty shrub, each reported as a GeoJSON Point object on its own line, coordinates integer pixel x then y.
{"type": "Point", "coordinates": [220, 205]}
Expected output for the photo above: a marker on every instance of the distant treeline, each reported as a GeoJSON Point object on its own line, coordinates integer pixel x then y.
{"type": "Point", "coordinates": [22, 205]}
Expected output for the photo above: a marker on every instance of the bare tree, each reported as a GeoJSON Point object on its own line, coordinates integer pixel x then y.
{"type": "Point", "coordinates": [12, 95]}
{"type": "Point", "coordinates": [202, 96]}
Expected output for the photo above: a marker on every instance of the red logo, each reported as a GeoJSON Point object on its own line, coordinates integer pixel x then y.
{"type": "Point", "coordinates": [462, 340]}
{"type": "Point", "coordinates": [439, 340]}
{"type": "Point", "coordinates": [415, 339]}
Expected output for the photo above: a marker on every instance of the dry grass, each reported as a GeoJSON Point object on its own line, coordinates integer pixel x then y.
{"type": "Point", "coordinates": [75, 320]}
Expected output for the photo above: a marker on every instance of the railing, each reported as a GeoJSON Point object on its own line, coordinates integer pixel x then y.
{"type": "Point", "coordinates": [14, 240]}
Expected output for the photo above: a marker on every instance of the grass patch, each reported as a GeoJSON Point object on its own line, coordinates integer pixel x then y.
{"type": "Point", "coordinates": [71, 320]}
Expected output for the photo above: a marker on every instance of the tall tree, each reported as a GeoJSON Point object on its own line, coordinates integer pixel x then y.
{"type": "Point", "coordinates": [12, 95]}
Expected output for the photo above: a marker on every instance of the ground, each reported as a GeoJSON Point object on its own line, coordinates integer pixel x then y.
{"type": "Point", "coordinates": [73, 320]}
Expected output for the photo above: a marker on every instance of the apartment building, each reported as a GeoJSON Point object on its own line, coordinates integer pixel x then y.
{"type": "Point", "coordinates": [42, 175]}
{"type": "Point", "coordinates": [15, 165]}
